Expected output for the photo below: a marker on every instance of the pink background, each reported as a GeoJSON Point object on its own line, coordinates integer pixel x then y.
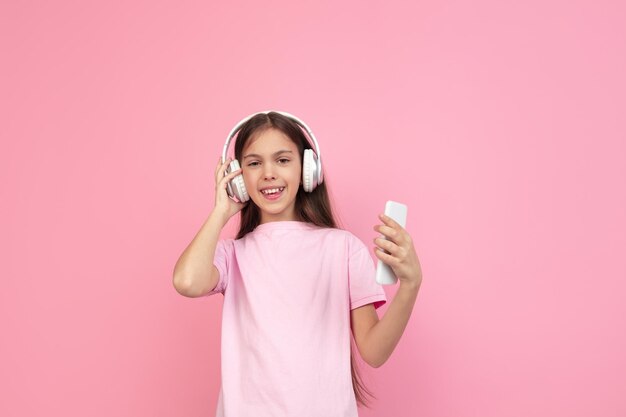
{"type": "Point", "coordinates": [500, 124]}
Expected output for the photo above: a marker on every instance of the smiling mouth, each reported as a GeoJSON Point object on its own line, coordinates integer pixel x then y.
{"type": "Point", "coordinates": [273, 191]}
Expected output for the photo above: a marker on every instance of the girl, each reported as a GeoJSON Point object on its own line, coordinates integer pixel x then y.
{"type": "Point", "coordinates": [295, 286]}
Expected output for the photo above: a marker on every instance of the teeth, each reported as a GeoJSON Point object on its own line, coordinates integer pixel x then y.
{"type": "Point", "coordinates": [272, 190]}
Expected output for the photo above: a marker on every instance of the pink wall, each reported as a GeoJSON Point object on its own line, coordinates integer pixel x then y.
{"type": "Point", "coordinates": [500, 124]}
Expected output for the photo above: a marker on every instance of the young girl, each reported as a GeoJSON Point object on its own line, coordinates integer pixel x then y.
{"type": "Point", "coordinates": [295, 286]}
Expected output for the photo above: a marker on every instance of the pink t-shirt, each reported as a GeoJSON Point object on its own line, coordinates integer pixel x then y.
{"type": "Point", "coordinates": [288, 290]}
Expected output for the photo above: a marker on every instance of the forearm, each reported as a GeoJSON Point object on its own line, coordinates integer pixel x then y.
{"type": "Point", "coordinates": [192, 272]}
{"type": "Point", "coordinates": [386, 333]}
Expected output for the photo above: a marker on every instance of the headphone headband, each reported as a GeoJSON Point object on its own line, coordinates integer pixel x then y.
{"type": "Point", "coordinates": [287, 115]}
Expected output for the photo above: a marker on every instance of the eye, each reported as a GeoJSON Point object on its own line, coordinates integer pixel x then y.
{"type": "Point", "coordinates": [251, 164]}
{"type": "Point", "coordinates": [283, 159]}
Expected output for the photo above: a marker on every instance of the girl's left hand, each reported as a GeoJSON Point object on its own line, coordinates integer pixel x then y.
{"type": "Point", "coordinates": [401, 257]}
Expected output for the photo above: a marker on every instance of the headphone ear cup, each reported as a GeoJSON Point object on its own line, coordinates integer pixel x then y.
{"type": "Point", "coordinates": [236, 186]}
{"type": "Point", "coordinates": [240, 189]}
{"type": "Point", "coordinates": [309, 174]}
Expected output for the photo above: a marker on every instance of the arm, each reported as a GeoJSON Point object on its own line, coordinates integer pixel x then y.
{"type": "Point", "coordinates": [376, 339]}
{"type": "Point", "coordinates": [194, 272]}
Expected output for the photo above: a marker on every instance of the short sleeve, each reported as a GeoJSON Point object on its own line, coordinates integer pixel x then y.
{"type": "Point", "coordinates": [362, 277]}
{"type": "Point", "coordinates": [224, 255]}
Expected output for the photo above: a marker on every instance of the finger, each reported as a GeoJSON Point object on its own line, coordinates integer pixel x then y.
{"type": "Point", "coordinates": [219, 173]}
{"type": "Point", "coordinates": [385, 257]}
{"type": "Point", "coordinates": [387, 231]}
{"type": "Point", "coordinates": [229, 177]}
{"type": "Point", "coordinates": [387, 245]}
{"type": "Point", "coordinates": [220, 164]}
{"type": "Point", "coordinates": [389, 221]}
{"type": "Point", "coordinates": [233, 174]}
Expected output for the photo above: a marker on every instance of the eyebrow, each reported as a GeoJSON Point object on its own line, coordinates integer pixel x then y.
{"type": "Point", "coordinates": [274, 154]}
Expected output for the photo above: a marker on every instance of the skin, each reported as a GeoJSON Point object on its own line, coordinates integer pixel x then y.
{"type": "Point", "coordinates": [263, 166]}
{"type": "Point", "coordinates": [375, 338]}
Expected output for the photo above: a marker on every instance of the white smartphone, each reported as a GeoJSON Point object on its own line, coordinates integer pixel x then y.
{"type": "Point", "coordinates": [384, 273]}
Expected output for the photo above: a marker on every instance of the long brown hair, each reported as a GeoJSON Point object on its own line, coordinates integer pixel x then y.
{"type": "Point", "coordinates": [313, 207]}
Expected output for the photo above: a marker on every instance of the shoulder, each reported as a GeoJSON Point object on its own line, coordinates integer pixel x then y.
{"type": "Point", "coordinates": [351, 242]}
{"type": "Point", "coordinates": [333, 232]}
{"type": "Point", "coordinates": [227, 241]}
{"type": "Point", "coordinates": [227, 245]}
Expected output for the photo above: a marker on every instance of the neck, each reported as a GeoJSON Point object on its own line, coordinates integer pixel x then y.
{"type": "Point", "coordinates": [267, 217]}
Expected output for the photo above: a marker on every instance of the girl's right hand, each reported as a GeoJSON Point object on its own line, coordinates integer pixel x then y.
{"type": "Point", "coordinates": [225, 205]}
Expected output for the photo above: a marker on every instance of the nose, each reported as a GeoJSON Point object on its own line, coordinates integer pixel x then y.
{"type": "Point", "coordinates": [268, 174]}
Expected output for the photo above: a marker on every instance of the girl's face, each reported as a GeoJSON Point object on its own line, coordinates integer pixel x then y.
{"type": "Point", "coordinates": [271, 162]}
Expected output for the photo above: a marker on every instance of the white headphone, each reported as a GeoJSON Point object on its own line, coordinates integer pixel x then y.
{"type": "Point", "coordinates": [312, 174]}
